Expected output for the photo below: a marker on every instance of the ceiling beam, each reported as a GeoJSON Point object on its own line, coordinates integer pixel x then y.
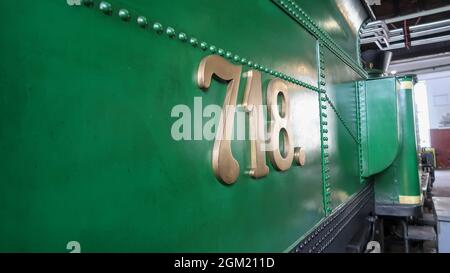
{"type": "Point", "coordinates": [369, 10]}
{"type": "Point", "coordinates": [417, 14]}
{"type": "Point", "coordinates": [421, 65]}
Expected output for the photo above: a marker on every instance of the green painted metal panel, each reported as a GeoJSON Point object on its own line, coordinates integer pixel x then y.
{"type": "Point", "coordinates": [341, 19]}
{"type": "Point", "coordinates": [343, 143]}
{"type": "Point", "coordinates": [341, 89]}
{"type": "Point", "coordinates": [344, 164]}
{"type": "Point", "coordinates": [87, 153]}
{"type": "Point", "coordinates": [381, 139]}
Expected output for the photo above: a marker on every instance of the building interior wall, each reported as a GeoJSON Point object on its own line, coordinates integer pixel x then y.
{"type": "Point", "coordinates": [438, 96]}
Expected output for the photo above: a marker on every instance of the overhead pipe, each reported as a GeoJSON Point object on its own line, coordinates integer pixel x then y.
{"type": "Point", "coordinates": [394, 39]}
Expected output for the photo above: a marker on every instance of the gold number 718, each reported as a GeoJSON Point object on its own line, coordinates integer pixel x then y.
{"type": "Point", "coordinates": [225, 166]}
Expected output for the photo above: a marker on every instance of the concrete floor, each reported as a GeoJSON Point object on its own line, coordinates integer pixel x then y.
{"type": "Point", "coordinates": [441, 199]}
{"type": "Point", "coordinates": [441, 185]}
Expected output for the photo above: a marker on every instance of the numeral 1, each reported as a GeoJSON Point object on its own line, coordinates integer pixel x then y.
{"type": "Point", "coordinates": [253, 104]}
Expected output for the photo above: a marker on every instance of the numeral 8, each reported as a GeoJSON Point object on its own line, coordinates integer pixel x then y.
{"type": "Point", "coordinates": [280, 126]}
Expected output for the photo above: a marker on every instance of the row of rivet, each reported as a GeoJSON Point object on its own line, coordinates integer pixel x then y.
{"type": "Point", "coordinates": [347, 217]}
{"type": "Point", "coordinates": [142, 21]}
{"type": "Point", "coordinates": [299, 14]}
{"type": "Point", "coordinates": [301, 17]}
{"type": "Point", "coordinates": [343, 214]}
{"type": "Point", "coordinates": [328, 41]}
{"type": "Point", "coordinates": [360, 111]}
{"type": "Point", "coordinates": [347, 128]}
{"type": "Point", "coordinates": [324, 133]}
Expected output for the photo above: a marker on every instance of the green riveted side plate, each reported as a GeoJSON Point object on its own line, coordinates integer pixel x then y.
{"type": "Point", "coordinates": [86, 152]}
{"type": "Point", "coordinates": [381, 141]}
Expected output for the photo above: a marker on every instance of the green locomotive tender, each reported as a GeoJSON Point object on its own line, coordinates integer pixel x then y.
{"type": "Point", "coordinates": [107, 110]}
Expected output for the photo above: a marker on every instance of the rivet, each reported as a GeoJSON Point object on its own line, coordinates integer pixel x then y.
{"type": "Point", "coordinates": [170, 32]}
{"type": "Point", "coordinates": [250, 63]}
{"type": "Point", "coordinates": [124, 14]}
{"type": "Point", "coordinates": [182, 37]}
{"type": "Point", "coordinates": [243, 61]}
{"type": "Point", "coordinates": [221, 52]}
{"type": "Point", "coordinates": [229, 55]}
{"type": "Point", "coordinates": [236, 58]}
{"type": "Point", "coordinates": [212, 49]}
{"type": "Point", "coordinates": [142, 21]}
{"type": "Point", "coordinates": [203, 45]}
{"type": "Point", "coordinates": [105, 7]}
{"type": "Point", "coordinates": [193, 42]}
{"type": "Point", "coordinates": [157, 27]}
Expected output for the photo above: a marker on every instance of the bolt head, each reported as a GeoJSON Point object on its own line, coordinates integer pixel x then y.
{"type": "Point", "coordinates": [182, 37]}
{"type": "Point", "coordinates": [170, 32]}
{"type": "Point", "coordinates": [203, 45]}
{"type": "Point", "coordinates": [142, 21]}
{"type": "Point", "coordinates": [105, 7]}
{"type": "Point", "coordinates": [157, 27]}
{"type": "Point", "coordinates": [193, 42]}
{"type": "Point", "coordinates": [124, 14]}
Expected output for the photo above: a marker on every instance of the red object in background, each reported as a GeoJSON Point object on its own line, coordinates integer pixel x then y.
{"type": "Point", "coordinates": [440, 140]}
